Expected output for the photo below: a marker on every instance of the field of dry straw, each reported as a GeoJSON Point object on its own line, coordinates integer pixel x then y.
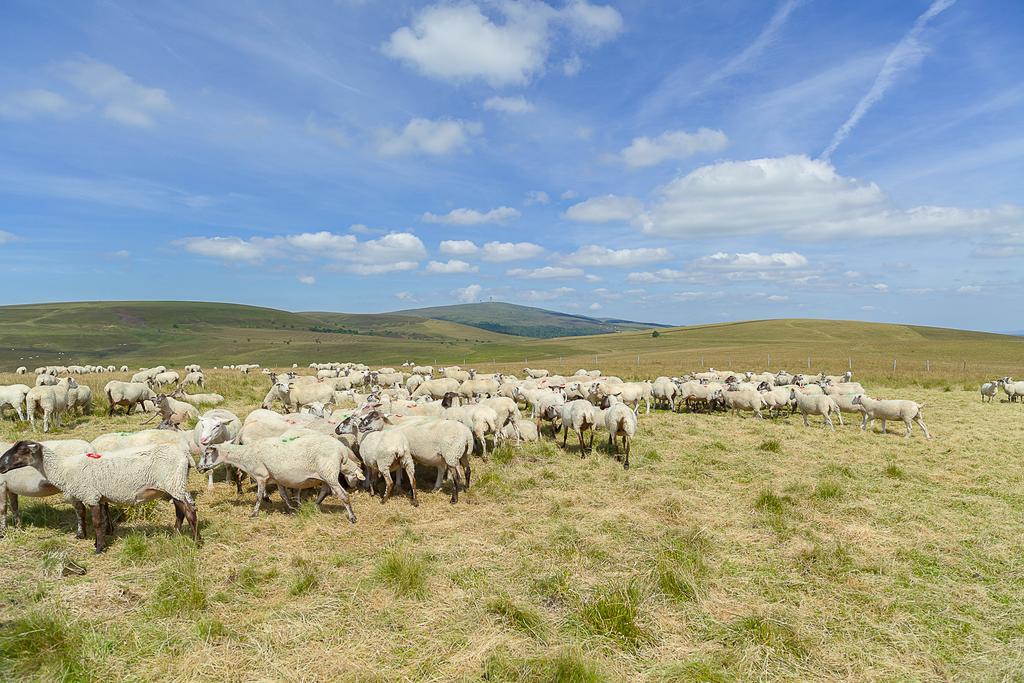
{"type": "Point", "coordinates": [733, 549]}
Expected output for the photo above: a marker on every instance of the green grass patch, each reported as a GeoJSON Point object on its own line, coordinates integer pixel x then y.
{"type": "Point", "coordinates": [690, 672]}
{"type": "Point", "coordinates": [522, 618]}
{"type": "Point", "coordinates": [303, 582]}
{"type": "Point", "coordinates": [405, 572]}
{"type": "Point", "coordinates": [135, 549]}
{"type": "Point", "coordinates": [567, 665]}
{"type": "Point", "coordinates": [254, 580]}
{"type": "Point", "coordinates": [181, 590]}
{"type": "Point", "coordinates": [770, 446]}
{"type": "Point", "coordinates": [828, 489]}
{"type": "Point", "coordinates": [770, 502]}
{"type": "Point", "coordinates": [616, 612]}
{"type": "Point", "coordinates": [769, 633]}
{"type": "Point", "coordinates": [41, 646]}
{"type": "Point", "coordinates": [894, 471]}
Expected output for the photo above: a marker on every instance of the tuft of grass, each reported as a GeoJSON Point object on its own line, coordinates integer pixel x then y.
{"type": "Point", "coordinates": [307, 510]}
{"type": "Point", "coordinates": [303, 582]}
{"type": "Point", "coordinates": [503, 455]}
{"type": "Point", "coordinates": [615, 612]}
{"type": "Point", "coordinates": [251, 579]}
{"type": "Point", "coordinates": [680, 565]}
{"type": "Point", "coordinates": [211, 629]}
{"type": "Point", "coordinates": [828, 489]}
{"type": "Point", "coordinates": [690, 672]}
{"type": "Point", "coordinates": [41, 646]}
{"type": "Point", "coordinates": [135, 549]}
{"type": "Point", "coordinates": [769, 633]}
{"type": "Point", "coordinates": [181, 590]}
{"type": "Point", "coordinates": [405, 572]}
{"type": "Point", "coordinates": [833, 469]}
{"type": "Point", "coordinates": [893, 471]}
{"type": "Point", "coordinates": [770, 502]}
{"type": "Point", "coordinates": [651, 455]}
{"type": "Point", "coordinates": [770, 446]}
{"type": "Point", "coordinates": [521, 618]}
{"type": "Point", "coordinates": [567, 665]}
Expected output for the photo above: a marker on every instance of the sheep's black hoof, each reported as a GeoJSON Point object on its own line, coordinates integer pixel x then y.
{"type": "Point", "coordinates": [625, 466]}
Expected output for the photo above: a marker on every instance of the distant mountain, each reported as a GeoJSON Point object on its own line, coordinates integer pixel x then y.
{"type": "Point", "coordinates": [526, 321]}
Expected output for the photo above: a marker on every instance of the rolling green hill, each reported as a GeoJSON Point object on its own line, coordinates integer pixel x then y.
{"type": "Point", "coordinates": [525, 321]}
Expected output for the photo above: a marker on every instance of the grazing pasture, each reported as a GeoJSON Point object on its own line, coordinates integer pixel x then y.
{"type": "Point", "coordinates": [733, 549]}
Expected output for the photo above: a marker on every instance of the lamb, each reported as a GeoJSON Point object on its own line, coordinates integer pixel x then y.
{"type": "Point", "coordinates": [989, 390]}
{"type": "Point", "coordinates": [536, 374]}
{"type": "Point", "coordinates": [123, 368]}
{"type": "Point", "coordinates": [175, 413]}
{"type": "Point", "coordinates": [521, 430]}
{"type": "Point", "coordinates": [843, 388]}
{"type": "Point", "coordinates": [198, 399]}
{"type": "Point", "coordinates": [664, 391]}
{"type": "Point", "coordinates": [837, 379]}
{"type": "Point", "coordinates": [46, 380]}
{"type": "Point", "coordinates": [815, 405]}
{"type": "Point", "coordinates": [444, 444]}
{"type": "Point", "coordinates": [507, 411]}
{"type": "Point", "coordinates": [581, 416]}
{"type": "Point", "coordinates": [630, 393]}
{"type": "Point", "coordinates": [907, 411]}
{"type": "Point", "coordinates": [194, 378]}
{"type": "Point", "coordinates": [27, 481]}
{"type": "Point", "coordinates": [13, 396]}
{"type": "Point", "coordinates": [193, 368]}
{"type": "Point", "coordinates": [126, 477]}
{"type": "Point", "coordinates": [214, 427]}
{"type": "Point", "coordinates": [51, 401]}
{"type": "Point", "coordinates": [775, 398]}
{"type": "Point", "coordinates": [478, 388]}
{"type": "Point", "coordinates": [425, 370]}
{"type": "Point", "coordinates": [383, 452]}
{"type": "Point", "coordinates": [299, 462]}
{"type": "Point", "coordinates": [128, 394]}
{"type": "Point", "coordinates": [620, 421]}
{"type": "Point", "coordinates": [21, 370]}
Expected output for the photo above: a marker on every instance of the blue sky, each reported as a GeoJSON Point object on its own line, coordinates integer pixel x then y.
{"type": "Point", "coordinates": [678, 162]}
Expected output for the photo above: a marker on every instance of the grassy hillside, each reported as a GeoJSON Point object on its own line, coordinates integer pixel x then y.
{"type": "Point", "coordinates": [140, 333]}
{"type": "Point", "coordinates": [525, 321]}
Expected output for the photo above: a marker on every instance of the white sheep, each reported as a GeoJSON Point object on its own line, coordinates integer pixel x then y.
{"type": "Point", "coordinates": [295, 393]}
{"type": "Point", "coordinates": [51, 401]}
{"type": "Point", "coordinates": [579, 415]}
{"type": "Point", "coordinates": [124, 477]}
{"type": "Point", "coordinates": [299, 462]}
{"type": "Point", "coordinates": [521, 430]}
{"type": "Point", "coordinates": [173, 412]}
{"type": "Point", "coordinates": [194, 379]}
{"type": "Point", "coordinates": [436, 388]}
{"type": "Point", "coordinates": [746, 398]}
{"type": "Point", "coordinates": [127, 394]}
{"type": "Point", "coordinates": [815, 404]}
{"type": "Point", "coordinates": [443, 444]}
{"type": "Point", "coordinates": [80, 397]}
{"type": "Point", "coordinates": [989, 391]}
{"type": "Point", "coordinates": [13, 396]}
{"type": "Point", "coordinates": [214, 427]}
{"type": "Point", "coordinates": [907, 411]}
{"type": "Point", "coordinates": [482, 421]}
{"type": "Point", "coordinates": [21, 370]}
{"type": "Point", "coordinates": [164, 379]}
{"type": "Point", "coordinates": [1014, 390]}
{"type": "Point", "coordinates": [383, 452]}
{"type": "Point", "coordinates": [620, 421]}
{"type": "Point", "coordinates": [198, 399]}
{"type": "Point", "coordinates": [27, 481]}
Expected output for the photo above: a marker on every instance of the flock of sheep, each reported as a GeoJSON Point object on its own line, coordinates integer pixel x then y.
{"type": "Point", "coordinates": [401, 418]}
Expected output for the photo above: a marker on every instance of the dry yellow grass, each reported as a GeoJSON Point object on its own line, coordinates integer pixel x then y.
{"type": "Point", "coordinates": [733, 549]}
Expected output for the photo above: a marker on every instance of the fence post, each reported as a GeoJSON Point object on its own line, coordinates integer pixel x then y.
{"type": "Point", "coordinates": [894, 365]}
{"type": "Point", "coordinates": [850, 359]}
{"type": "Point", "coordinates": [808, 362]}
{"type": "Point", "coordinates": [929, 365]}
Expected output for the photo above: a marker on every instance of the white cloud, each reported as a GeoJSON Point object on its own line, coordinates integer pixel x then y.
{"type": "Point", "coordinates": [689, 296]}
{"type": "Point", "coordinates": [122, 98]}
{"type": "Point", "coordinates": [450, 267]}
{"type": "Point", "coordinates": [776, 298]}
{"type": "Point", "coordinates": [569, 195]}
{"type": "Point", "coordinates": [547, 294]}
{"type": "Point", "coordinates": [426, 136]}
{"type": "Point", "coordinates": [607, 209]}
{"type": "Point", "coordinates": [458, 247]}
{"type": "Point", "coordinates": [537, 197]}
{"type": "Point", "coordinates": [306, 279]}
{"type": "Point", "coordinates": [544, 273]}
{"type": "Point", "coordinates": [509, 105]}
{"type": "Point", "coordinates": [969, 289]}
{"type": "Point", "coordinates": [500, 252]}
{"type": "Point", "coordinates": [907, 54]}
{"type": "Point", "coordinates": [799, 197]}
{"type": "Point", "coordinates": [468, 294]}
{"type": "Point", "coordinates": [501, 214]}
{"type": "Point", "coordinates": [595, 306]}
{"type": "Point", "coordinates": [662, 275]}
{"type": "Point", "coordinates": [406, 296]}
{"type": "Point", "coordinates": [6, 237]}
{"type": "Point", "coordinates": [753, 261]}
{"type": "Point", "coordinates": [30, 104]}
{"type": "Point", "coordinates": [459, 42]}
{"type": "Point", "coordinates": [765, 38]}
{"type": "Point", "coordinates": [880, 287]}
{"type": "Point", "coordinates": [572, 66]}
{"type": "Point", "coordinates": [593, 255]}
{"type": "Point", "coordinates": [672, 145]}
{"type": "Point", "coordinates": [393, 252]}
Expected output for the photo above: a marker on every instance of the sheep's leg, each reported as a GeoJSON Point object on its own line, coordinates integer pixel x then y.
{"type": "Point", "coordinates": [261, 491]}
{"type": "Point", "coordinates": [389, 485]}
{"type": "Point", "coordinates": [237, 477]}
{"type": "Point", "coordinates": [828, 421]}
{"type": "Point", "coordinates": [910, 428]}
{"type": "Point", "coordinates": [343, 497]}
{"type": "Point", "coordinates": [410, 469]}
{"type": "Point", "coordinates": [884, 430]}
{"type": "Point", "coordinates": [455, 483]}
{"type": "Point", "coordinates": [920, 421]}
{"type": "Point", "coordinates": [565, 434]}
{"type": "Point", "coordinates": [806, 423]}
{"type": "Point", "coordinates": [839, 414]}
{"type": "Point", "coordinates": [179, 515]}
{"type": "Point", "coordinates": [626, 443]}
{"type": "Point", "coordinates": [286, 497]}
{"type": "Point", "coordinates": [483, 446]}
{"type": "Point", "coordinates": [398, 476]}
{"type": "Point", "coordinates": [441, 471]}
{"type": "Point", "coordinates": [466, 470]}
{"type": "Point", "coordinates": [80, 517]}
{"type": "Point", "coordinates": [583, 446]}
{"type": "Point", "coordinates": [325, 490]}
{"type": "Point", "coordinates": [3, 513]}
{"type": "Point", "coordinates": [612, 443]}
{"type": "Point", "coordinates": [590, 448]}
{"type": "Point", "coordinates": [98, 530]}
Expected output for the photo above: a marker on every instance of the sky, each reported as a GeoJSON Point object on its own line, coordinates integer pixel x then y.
{"type": "Point", "coordinates": [668, 161]}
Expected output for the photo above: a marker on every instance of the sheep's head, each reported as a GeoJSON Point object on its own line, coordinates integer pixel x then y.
{"type": "Point", "coordinates": [450, 398]}
{"type": "Point", "coordinates": [351, 471]}
{"type": "Point", "coordinates": [22, 454]}
{"type": "Point", "coordinates": [349, 425]}
{"type": "Point", "coordinates": [212, 430]}
{"type": "Point", "coordinates": [857, 400]}
{"type": "Point", "coordinates": [211, 458]}
{"type": "Point", "coordinates": [373, 421]}
{"type": "Point", "coordinates": [764, 386]}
